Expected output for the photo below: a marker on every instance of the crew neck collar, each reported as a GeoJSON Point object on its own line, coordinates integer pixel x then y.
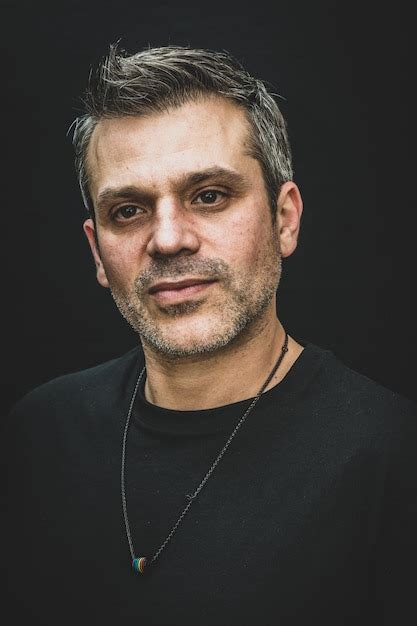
{"type": "Point", "coordinates": [172, 422]}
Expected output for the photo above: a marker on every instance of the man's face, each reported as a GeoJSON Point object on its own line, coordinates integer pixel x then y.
{"type": "Point", "coordinates": [186, 241]}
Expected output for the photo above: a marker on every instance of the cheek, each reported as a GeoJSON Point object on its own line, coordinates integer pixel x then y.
{"type": "Point", "coordinates": [246, 239]}
{"type": "Point", "coordinates": [120, 260]}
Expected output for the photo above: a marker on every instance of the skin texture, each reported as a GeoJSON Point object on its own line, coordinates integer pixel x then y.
{"type": "Point", "coordinates": [176, 199]}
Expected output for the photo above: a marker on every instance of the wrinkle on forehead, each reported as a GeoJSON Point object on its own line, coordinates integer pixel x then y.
{"type": "Point", "coordinates": [197, 131]}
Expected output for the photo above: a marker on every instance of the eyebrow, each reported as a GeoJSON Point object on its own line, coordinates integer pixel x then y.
{"type": "Point", "coordinates": [225, 175]}
{"type": "Point", "coordinates": [222, 175]}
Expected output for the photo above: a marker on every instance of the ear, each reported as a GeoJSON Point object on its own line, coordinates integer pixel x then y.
{"type": "Point", "coordinates": [289, 210]}
{"type": "Point", "coordinates": [90, 231]}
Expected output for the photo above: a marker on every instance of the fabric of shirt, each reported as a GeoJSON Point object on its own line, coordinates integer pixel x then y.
{"type": "Point", "coordinates": [310, 517]}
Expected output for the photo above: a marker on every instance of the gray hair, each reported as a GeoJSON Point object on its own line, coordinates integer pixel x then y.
{"type": "Point", "coordinates": [156, 80]}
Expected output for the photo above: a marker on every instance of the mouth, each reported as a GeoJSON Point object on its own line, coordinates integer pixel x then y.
{"type": "Point", "coordinates": [171, 292]}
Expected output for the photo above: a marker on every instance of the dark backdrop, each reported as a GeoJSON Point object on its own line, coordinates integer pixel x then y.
{"type": "Point", "coordinates": [346, 72]}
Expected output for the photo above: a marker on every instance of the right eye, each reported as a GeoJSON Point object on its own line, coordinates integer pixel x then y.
{"type": "Point", "coordinates": [126, 212]}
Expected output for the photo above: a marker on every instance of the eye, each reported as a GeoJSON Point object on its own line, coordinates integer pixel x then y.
{"type": "Point", "coordinates": [210, 196]}
{"type": "Point", "coordinates": [126, 212]}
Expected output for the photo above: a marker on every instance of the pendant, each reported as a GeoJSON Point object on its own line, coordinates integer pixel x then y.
{"type": "Point", "coordinates": [139, 564]}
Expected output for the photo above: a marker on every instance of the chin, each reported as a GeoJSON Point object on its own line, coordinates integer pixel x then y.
{"type": "Point", "coordinates": [191, 337]}
{"type": "Point", "coordinates": [186, 343]}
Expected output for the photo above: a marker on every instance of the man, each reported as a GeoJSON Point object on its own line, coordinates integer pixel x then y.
{"type": "Point", "coordinates": [225, 473]}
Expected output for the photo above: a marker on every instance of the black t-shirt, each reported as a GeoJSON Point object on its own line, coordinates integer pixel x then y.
{"type": "Point", "coordinates": [309, 518]}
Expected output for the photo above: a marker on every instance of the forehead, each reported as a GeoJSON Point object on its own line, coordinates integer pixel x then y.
{"type": "Point", "coordinates": [159, 147]}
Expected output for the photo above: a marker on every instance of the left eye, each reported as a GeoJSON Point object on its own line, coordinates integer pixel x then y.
{"type": "Point", "coordinates": [211, 196]}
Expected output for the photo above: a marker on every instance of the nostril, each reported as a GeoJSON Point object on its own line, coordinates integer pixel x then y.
{"type": "Point", "coordinates": [158, 254]}
{"type": "Point", "coordinates": [172, 238]}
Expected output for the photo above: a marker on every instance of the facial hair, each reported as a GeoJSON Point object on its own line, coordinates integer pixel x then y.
{"type": "Point", "coordinates": [241, 302]}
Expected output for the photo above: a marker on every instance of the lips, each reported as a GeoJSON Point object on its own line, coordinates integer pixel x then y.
{"type": "Point", "coordinates": [171, 291]}
{"type": "Point", "coordinates": [178, 285]}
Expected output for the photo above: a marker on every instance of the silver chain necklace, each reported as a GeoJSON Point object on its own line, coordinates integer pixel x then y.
{"type": "Point", "coordinates": [139, 563]}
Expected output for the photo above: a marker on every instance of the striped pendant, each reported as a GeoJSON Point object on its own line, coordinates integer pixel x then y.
{"type": "Point", "coordinates": [139, 564]}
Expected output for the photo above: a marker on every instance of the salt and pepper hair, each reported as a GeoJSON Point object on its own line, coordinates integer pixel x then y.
{"type": "Point", "coordinates": [156, 80]}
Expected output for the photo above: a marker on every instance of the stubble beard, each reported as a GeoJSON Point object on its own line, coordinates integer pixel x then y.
{"type": "Point", "coordinates": [241, 304]}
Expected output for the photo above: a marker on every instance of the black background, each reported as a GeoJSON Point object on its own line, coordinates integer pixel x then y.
{"type": "Point", "coordinates": [346, 72]}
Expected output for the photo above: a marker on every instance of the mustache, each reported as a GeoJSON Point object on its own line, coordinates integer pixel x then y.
{"type": "Point", "coordinates": [178, 268]}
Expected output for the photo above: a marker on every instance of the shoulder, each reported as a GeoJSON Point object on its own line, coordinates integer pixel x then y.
{"type": "Point", "coordinates": [355, 399]}
{"type": "Point", "coordinates": [82, 389]}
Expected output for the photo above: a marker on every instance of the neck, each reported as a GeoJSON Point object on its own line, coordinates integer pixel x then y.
{"type": "Point", "coordinates": [235, 373]}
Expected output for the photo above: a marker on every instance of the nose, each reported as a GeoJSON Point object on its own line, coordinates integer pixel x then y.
{"type": "Point", "coordinates": [173, 232]}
